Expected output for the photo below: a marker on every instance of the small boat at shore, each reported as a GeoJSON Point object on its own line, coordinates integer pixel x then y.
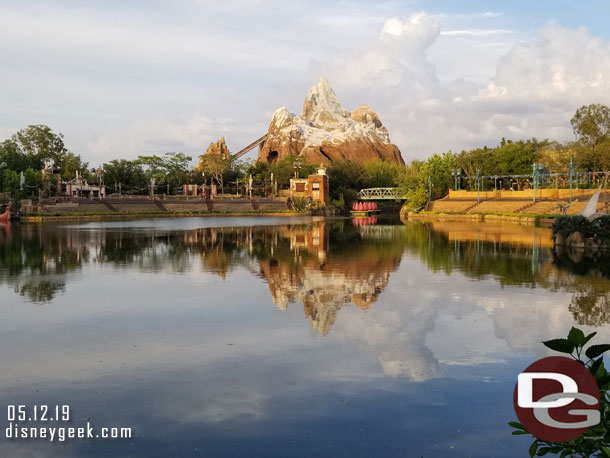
{"type": "Point", "coordinates": [360, 209]}
{"type": "Point", "coordinates": [6, 216]}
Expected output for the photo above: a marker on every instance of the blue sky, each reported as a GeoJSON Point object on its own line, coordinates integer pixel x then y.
{"type": "Point", "coordinates": [120, 79]}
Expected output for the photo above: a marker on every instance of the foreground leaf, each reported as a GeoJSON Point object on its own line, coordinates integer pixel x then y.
{"type": "Point", "coordinates": [595, 350]}
{"type": "Point", "coordinates": [588, 338]}
{"type": "Point", "coordinates": [577, 337]}
{"type": "Point", "coordinates": [562, 346]}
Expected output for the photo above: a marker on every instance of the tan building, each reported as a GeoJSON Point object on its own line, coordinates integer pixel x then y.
{"type": "Point", "coordinates": [81, 188]}
{"type": "Point", "coordinates": [314, 186]}
{"type": "Point", "coordinates": [192, 190]}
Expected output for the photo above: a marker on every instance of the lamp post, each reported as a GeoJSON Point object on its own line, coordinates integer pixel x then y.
{"type": "Point", "coordinates": [495, 183]}
{"type": "Point", "coordinates": [571, 176]}
{"type": "Point", "coordinates": [478, 185]}
{"type": "Point", "coordinates": [456, 173]}
{"type": "Point", "coordinates": [297, 165]}
{"type": "Point", "coordinates": [534, 178]}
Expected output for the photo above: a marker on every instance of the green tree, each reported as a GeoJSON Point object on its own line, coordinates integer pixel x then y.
{"type": "Point", "coordinates": [124, 175]}
{"type": "Point", "coordinates": [384, 174]}
{"type": "Point", "coordinates": [591, 123]}
{"type": "Point", "coordinates": [215, 165]}
{"type": "Point", "coordinates": [12, 156]}
{"type": "Point", "coordinates": [284, 170]}
{"type": "Point", "coordinates": [33, 181]}
{"type": "Point", "coordinates": [39, 142]}
{"type": "Point", "coordinates": [69, 163]}
{"type": "Point", "coordinates": [176, 168]}
{"type": "Point", "coordinates": [10, 181]}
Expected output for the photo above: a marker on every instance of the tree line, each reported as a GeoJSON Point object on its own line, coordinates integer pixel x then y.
{"type": "Point", "coordinates": [31, 148]}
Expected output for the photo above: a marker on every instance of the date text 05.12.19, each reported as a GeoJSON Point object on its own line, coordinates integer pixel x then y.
{"type": "Point", "coordinates": [38, 413]}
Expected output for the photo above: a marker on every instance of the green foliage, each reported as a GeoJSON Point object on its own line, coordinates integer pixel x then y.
{"type": "Point", "coordinates": [284, 170]}
{"type": "Point", "coordinates": [340, 202]}
{"type": "Point", "coordinates": [10, 181]}
{"type": "Point", "coordinates": [127, 174]}
{"type": "Point", "coordinates": [299, 203]}
{"type": "Point", "coordinates": [566, 225]}
{"type": "Point", "coordinates": [215, 166]}
{"type": "Point", "coordinates": [384, 174]}
{"type": "Point", "coordinates": [12, 156]}
{"type": "Point", "coordinates": [596, 440]}
{"type": "Point", "coordinates": [38, 143]}
{"type": "Point", "coordinates": [601, 227]}
{"type": "Point", "coordinates": [591, 123]}
{"type": "Point", "coordinates": [33, 181]}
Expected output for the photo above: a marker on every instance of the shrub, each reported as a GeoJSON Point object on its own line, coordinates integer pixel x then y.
{"type": "Point", "coordinates": [601, 227]}
{"type": "Point", "coordinates": [566, 225]}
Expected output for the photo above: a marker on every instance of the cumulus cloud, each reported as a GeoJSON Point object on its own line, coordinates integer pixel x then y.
{"type": "Point", "coordinates": [536, 87]}
{"type": "Point", "coordinates": [140, 80]}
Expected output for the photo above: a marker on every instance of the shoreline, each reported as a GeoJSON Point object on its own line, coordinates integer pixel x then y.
{"type": "Point", "coordinates": [527, 219]}
{"type": "Point", "coordinates": [160, 214]}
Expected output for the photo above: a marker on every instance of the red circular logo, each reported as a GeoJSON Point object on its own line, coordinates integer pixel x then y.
{"type": "Point", "coordinates": [557, 399]}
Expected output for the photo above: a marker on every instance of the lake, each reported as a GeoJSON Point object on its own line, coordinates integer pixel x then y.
{"type": "Point", "coordinates": [284, 336]}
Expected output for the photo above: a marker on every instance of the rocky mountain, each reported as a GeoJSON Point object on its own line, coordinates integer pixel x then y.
{"type": "Point", "coordinates": [325, 132]}
{"type": "Point", "coordinates": [219, 147]}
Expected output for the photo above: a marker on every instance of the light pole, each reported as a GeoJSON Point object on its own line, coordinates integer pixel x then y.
{"type": "Point", "coordinates": [456, 174]}
{"type": "Point", "coordinates": [537, 169]}
{"type": "Point", "coordinates": [478, 185]}
{"type": "Point", "coordinates": [297, 165]}
{"type": "Point", "coordinates": [534, 178]}
{"type": "Point", "coordinates": [571, 176]}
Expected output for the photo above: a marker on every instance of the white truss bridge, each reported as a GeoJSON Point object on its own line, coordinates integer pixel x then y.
{"type": "Point", "coordinates": [380, 194]}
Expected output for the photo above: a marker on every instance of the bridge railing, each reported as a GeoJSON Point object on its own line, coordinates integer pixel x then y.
{"type": "Point", "coordinates": [381, 194]}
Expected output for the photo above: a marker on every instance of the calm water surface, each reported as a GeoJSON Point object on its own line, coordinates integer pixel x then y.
{"type": "Point", "coordinates": [284, 337]}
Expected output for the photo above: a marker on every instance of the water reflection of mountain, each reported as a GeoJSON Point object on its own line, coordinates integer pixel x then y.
{"type": "Point", "coordinates": [328, 270]}
{"type": "Point", "coordinates": [320, 268]}
{"type": "Point", "coordinates": [323, 266]}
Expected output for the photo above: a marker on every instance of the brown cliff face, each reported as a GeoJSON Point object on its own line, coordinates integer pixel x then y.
{"type": "Point", "coordinates": [219, 147]}
{"type": "Point", "coordinates": [326, 133]}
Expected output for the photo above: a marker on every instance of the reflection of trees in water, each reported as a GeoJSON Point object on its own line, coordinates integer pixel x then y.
{"type": "Point", "coordinates": [35, 261]}
{"type": "Point", "coordinates": [589, 275]}
{"type": "Point", "coordinates": [588, 278]}
{"type": "Point", "coordinates": [42, 290]}
{"type": "Point", "coordinates": [323, 266]}
{"type": "Point", "coordinates": [508, 264]}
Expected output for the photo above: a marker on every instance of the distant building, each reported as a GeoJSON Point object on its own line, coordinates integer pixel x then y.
{"type": "Point", "coordinates": [192, 190]}
{"type": "Point", "coordinates": [315, 187]}
{"type": "Point", "coordinates": [81, 188]}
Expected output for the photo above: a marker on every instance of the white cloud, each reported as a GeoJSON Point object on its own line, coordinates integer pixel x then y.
{"type": "Point", "coordinates": [536, 87]}
{"type": "Point", "coordinates": [131, 80]}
